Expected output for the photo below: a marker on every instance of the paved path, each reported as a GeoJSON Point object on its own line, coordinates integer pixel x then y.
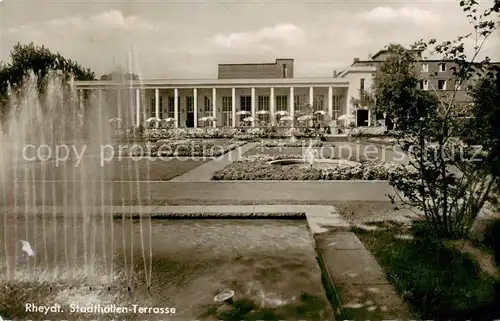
{"type": "Point", "coordinates": [218, 192]}
{"type": "Point", "coordinates": [204, 172]}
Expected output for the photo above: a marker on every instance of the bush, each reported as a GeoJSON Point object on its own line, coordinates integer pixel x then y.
{"type": "Point", "coordinates": [289, 143]}
{"type": "Point", "coordinates": [492, 238]}
{"type": "Point", "coordinates": [189, 149]}
{"type": "Point", "coordinates": [257, 167]}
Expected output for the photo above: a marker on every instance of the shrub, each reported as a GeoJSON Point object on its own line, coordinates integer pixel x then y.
{"type": "Point", "coordinates": [257, 167]}
{"type": "Point", "coordinates": [492, 238]}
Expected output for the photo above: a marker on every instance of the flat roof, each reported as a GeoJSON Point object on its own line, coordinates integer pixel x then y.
{"type": "Point", "coordinates": [215, 83]}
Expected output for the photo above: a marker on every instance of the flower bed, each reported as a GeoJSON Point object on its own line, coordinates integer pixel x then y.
{"type": "Point", "coordinates": [245, 133]}
{"type": "Point", "coordinates": [384, 140]}
{"type": "Point", "coordinates": [289, 143]}
{"type": "Point", "coordinates": [256, 167]}
{"type": "Point", "coordinates": [372, 131]}
{"type": "Point", "coordinates": [178, 149]}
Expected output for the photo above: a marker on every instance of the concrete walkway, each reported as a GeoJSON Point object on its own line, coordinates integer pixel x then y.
{"type": "Point", "coordinates": [201, 193]}
{"type": "Point", "coordinates": [203, 173]}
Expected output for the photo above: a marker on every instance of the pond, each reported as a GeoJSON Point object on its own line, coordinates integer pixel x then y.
{"type": "Point", "coordinates": [269, 264]}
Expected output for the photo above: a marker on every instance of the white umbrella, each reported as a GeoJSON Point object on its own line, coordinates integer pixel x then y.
{"type": "Point", "coordinates": [345, 117]}
{"type": "Point", "coordinates": [150, 119]}
{"type": "Point", "coordinates": [286, 118]}
{"type": "Point", "coordinates": [116, 119]}
{"type": "Point", "coordinates": [242, 112]}
{"type": "Point", "coordinates": [207, 118]}
{"type": "Point", "coordinates": [281, 113]}
{"type": "Point", "coordinates": [262, 112]}
{"type": "Point", "coordinates": [305, 117]}
{"type": "Point", "coordinates": [169, 119]}
{"type": "Point", "coordinates": [27, 248]}
{"type": "Point", "coordinates": [249, 119]}
{"type": "Point", "coordinates": [319, 112]}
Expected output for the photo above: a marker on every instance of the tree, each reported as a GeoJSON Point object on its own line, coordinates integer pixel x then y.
{"type": "Point", "coordinates": [483, 125]}
{"type": "Point", "coordinates": [40, 60]}
{"type": "Point", "coordinates": [448, 185]}
{"type": "Point", "coordinates": [118, 75]}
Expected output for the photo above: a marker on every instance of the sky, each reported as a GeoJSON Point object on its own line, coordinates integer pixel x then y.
{"type": "Point", "coordinates": [187, 39]}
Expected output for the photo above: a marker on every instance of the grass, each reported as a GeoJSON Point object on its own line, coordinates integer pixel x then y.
{"type": "Point", "coordinates": [438, 282]}
{"type": "Point", "coordinates": [154, 169]}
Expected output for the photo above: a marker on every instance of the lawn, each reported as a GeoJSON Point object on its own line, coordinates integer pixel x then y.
{"type": "Point", "coordinates": [438, 281]}
{"type": "Point", "coordinates": [153, 169]}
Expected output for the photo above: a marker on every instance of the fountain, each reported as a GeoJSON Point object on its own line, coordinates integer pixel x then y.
{"type": "Point", "coordinates": [311, 160]}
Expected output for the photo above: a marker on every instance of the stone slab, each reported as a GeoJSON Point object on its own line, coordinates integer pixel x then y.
{"type": "Point", "coordinates": [376, 302]}
{"type": "Point", "coordinates": [340, 241]}
{"type": "Point", "coordinates": [351, 266]}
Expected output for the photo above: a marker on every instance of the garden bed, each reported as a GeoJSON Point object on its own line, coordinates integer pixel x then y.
{"type": "Point", "coordinates": [189, 148]}
{"type": "Point", "coordinates": [257, 167]}
{"type": "Point", "coordinates": [290, 143]}
{"type": "Point", "coordinates": [438, 281]}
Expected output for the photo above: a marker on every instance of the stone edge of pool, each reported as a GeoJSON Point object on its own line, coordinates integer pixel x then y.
{"type": "Point", "coordinates": [340, 252]}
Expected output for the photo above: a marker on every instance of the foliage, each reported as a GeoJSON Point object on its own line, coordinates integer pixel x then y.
{"type": "Point", "coordinates": [40, 60]}
{"type": "Point", "coordinates": [257, 167]}
{"type": "Point", "coordinates": [119, 75]}
{"type": "Point", "coordinates": [179, 149]}
{"type": "Point", "coordinates": [453, 182]}
{"type": "Point", "coordinates": [492, 239]}
{"type": "Point", "coordinates": [439, 282]}
{"type": "Point", "coordinates": [483, 125]}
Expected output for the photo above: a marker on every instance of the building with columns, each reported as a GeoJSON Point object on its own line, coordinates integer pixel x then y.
{"type": "Point", "coordinates": [258, 90]}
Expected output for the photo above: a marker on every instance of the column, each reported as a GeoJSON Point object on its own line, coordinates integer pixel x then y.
{"type": "Point", "coordinates": [292, 107]}
{"type": "Point", "coordinates": [195, 106]}
{"type": "Point", "coordinates": [119, 103]}
{"type": "Point", "coordinates": [157, 103]}
{"type": "Point", "coordinates": [176, 107]}
{"type": "Point", "coordinates": [233, 105]}
{"type": "Point", "coordinates": [214, 107]}
{"type": "Point", "coordinates": [311, 96]}
{"type": "Point", "coordinates": [272, 101]}
{"type": "Point", "coordinates": [369, 118]}
{"type": "Point", "coordinates": [137, 107]}
{"type": "Point", "coordinates": [330, 102]}
{"type": "Point", "coordinates": [253, 107]}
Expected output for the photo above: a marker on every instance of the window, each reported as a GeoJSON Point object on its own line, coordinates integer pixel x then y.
{"type": "Point", "coordinates": [285, 73]}
{"type": "Point", "coordinates": [425, 68]}
{"type": "Point", "coordinates": [336, 103]}
{"type": "Point", "coordinates": [263, 104]}
{"type": "Point", "coordinates": [442, 67]}
{"type": "Point", "coordinates": [299, 101]}
{"type": "Point", "coordinates": [227, 111]}
{"type": "Point", "coordinates": [318, 102]}
{"type": "Point", "coordinates": [153, 107]}
{"type": "Point", "coordinates": [207, 107]}
{"type": "Point", "coordinates": [281, 103]}
{"type": "Point", "coordinates": [190, 104]}
{"type": "Point", "coordinates": [362, 83]}
{"type": "Point", "coordinates": [442, 84]}
{"type": "Point", "coordinates": [170, 107]}
{"type": "Point", "coordinates": [246, 105]}
{"type": "Point", "coordinates": [424, 84]}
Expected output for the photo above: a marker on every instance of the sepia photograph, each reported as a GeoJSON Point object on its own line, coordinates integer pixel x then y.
{"type": "Point", "coordinates": [249, 160]}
